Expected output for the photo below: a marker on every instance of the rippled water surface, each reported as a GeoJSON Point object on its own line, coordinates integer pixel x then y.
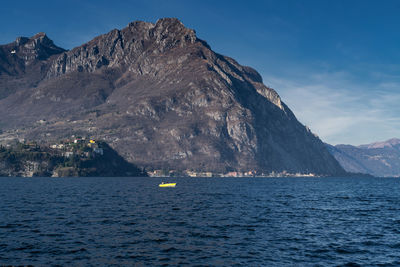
{"type": "Point", "coordinates": [248, 222]}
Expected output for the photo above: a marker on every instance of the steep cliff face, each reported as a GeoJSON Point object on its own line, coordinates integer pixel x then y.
{"type": "Point", "coordinates": [163, 99]}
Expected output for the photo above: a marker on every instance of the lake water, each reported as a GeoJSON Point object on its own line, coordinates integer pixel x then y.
{"type": "Point", "coordinates": [209, 221]}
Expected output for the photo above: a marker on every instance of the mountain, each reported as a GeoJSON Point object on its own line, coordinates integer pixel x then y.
{"type": "Point", "coordinates": [160, 97]}
{"type": "Point", "coordinates": [379, 159]}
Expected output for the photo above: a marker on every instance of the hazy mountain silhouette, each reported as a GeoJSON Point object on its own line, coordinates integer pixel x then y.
{"type": "Point", "coordinates": [378, 159]}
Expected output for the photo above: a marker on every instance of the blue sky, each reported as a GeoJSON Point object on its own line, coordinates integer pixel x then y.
{"type": "Point", "coordinates": [335, 63]}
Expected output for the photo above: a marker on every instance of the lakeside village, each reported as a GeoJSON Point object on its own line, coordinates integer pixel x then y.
{"type": "Point", "coordinates": [172, 173]}
{"type": "Point", "coordinates": [83, 147]}
{"type": "Point", "coordinates": [79, 146]}
{"type": "Point", "coordinates": [75, 147]}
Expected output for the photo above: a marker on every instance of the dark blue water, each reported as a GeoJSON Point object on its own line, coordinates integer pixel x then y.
{"type": "Point", "coordinates": [248, 222]}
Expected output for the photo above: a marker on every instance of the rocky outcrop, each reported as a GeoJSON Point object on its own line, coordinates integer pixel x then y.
{"type": "Point", "coordinates": [17, 56]}
{"type": "Point", "coordinates": [164, 100]}
{"type": "Point", "coordinates": [37, 47]}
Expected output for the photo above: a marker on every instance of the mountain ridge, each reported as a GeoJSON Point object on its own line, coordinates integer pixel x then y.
{"type": "Point", "coordinates": [379, 158]}
{"type": "Point", "coordinates": [388, 143]}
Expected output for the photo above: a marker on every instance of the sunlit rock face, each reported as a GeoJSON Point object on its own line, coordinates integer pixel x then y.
{"type": "Point", "coordinates": [162, 98]}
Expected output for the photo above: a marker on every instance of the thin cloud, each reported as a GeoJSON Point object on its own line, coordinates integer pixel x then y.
{"type": "Point", "coordinates": [340, 110]}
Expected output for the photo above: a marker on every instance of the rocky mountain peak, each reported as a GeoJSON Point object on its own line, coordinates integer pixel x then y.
{"type": "Point", "coordinates": [172, 28]}
{"type": "Point", "coordinates": [41, 40]}
{"type": "Point", "coordinates": [38, 47]}
{"type": "Point", "coordinates": [39, 35]}
{"type": "Point", "coordinates": [170, 32]}
{"type": "Point", "coordinates": [26, 55]}
{"type": "Point", "coordinates": [138, 24]}
{"type": "Point", "coordinates": [166, 22]}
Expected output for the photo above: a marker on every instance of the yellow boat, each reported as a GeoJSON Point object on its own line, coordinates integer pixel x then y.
{"type": "Point", "coordinates": [167, 184]}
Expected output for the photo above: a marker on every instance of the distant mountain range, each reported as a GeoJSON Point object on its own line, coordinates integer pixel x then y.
{"type": "Point", "coordinates": [160, 97]}
{"type": "Point", "coordinates": [378, 159]}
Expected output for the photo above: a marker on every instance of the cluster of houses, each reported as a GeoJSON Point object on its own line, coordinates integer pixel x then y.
{"type": "Point", "coordinates": [251, 173]}
{"type": "Point", "coordinates": [164, 173]}
{"type": "Point", "coordinates": [240, 174]}
{"type": "Point", "coordinates": [199, 174]}
{"type": "Point", "coordinates": [78, 146]}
